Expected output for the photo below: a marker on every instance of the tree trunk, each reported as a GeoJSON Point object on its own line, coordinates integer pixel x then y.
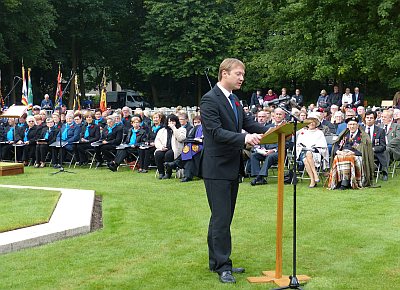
{"type": "Point", "coordinates": [12, 99]}
{"type": "Point", "coordinates": [154, 93]}
{"type": "Point", "coordinates": [82, 88]}
{"type": "Point", "coordinates": [199, 94]}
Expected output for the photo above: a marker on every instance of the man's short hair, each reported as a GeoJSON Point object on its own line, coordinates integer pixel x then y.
{"type": "Point", "coordinates": [227, 64]}
{"type": "Point", "coordinates": [370, 112]}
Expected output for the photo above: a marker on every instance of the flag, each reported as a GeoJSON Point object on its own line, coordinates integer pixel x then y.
{"type": "Point", "coordinates": [103, 96]}
{"type": "Point", "coordinates": [30, 94]}
{"type": "Point", "coordinates": [1, 96]}
{"type": "Point", "coordinates": [77, 103]}
{"type": "Point", "coordinates": [59, 92]}
{"type": "Point", "coordinates": [24, 99]}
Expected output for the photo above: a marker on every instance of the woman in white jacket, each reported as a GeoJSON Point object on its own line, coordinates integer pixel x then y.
{"type": "Point", "coordinates": [169, 144]}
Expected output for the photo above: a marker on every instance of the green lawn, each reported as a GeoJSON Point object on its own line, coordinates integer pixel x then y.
{"type": "Point", "coordinates": [24, 207]}
{"type": "Point", "coordinates": [154, 236]}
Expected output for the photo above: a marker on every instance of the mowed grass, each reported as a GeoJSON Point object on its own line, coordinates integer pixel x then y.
{"type": "Point", "coordinates": [154, 236]}
{"type": "Point", "coordinates": [24, 207]}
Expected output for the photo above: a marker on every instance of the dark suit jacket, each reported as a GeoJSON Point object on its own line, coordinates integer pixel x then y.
{"type": "Point", "coordinates": [94, 132]}
{"type": "Point", "coordinates": [359, 101]}
{"type": "Point", "coordinates": [115, 137]}
{"type": "Point", "coordinates": [140, 136]}
{"type": "Point", "coordinates": [379, 145]}
{"type": "Point", "coordinates": [223, 140]}
{"type": "Point", "coordinates": [52, 134]}
{"type": "Point", "coordinates": [254, 100]}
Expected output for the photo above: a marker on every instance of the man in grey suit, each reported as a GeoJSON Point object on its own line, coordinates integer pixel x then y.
{"type": "Point", "coordinates": [223, 119]}
{"type": "Point", "coordinates": [392, 132]}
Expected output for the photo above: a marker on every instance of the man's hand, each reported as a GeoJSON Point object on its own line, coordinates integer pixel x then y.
{"type": "Point", "coordinates": [253, 139]}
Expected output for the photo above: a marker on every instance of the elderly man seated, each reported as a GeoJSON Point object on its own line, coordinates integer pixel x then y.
{"type": "Point", "coordinates": [392, 136]}
{"type": "Point", "coordinates": [352, 158]}
{"type": "Point", "coordinates": [267, 153]}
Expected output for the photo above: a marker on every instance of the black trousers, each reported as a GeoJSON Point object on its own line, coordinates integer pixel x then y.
{"type": "Point", "coordinates": [145, 156]}
{"type": "Point", "coordinates": [161, 157]}
{"type": "Point", "coordinates": [28, 153]}
{"type": "Point", "coordinates": [221, 195]}
{"type": "Point", "coordinates": [41, 152]}
{"type": "Point", "coordinates": [124, 153]}
{"type": "Point", "coordinates": [105, 151]}
{"type": "Point", "coordinates": [81, 150]}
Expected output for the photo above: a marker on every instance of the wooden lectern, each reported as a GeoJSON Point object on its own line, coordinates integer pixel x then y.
{"type": "Point", "coordinates": [279, 135]}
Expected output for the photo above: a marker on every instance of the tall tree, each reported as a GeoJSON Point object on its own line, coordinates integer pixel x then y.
{"type": "Point", "coordinates": [25, 27]}
{"type": "Point", "coordinates": [184, 37]}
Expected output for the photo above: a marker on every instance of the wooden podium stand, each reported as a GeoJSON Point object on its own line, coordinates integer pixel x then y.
{"type": "Point", "coordinates": [272, 136]}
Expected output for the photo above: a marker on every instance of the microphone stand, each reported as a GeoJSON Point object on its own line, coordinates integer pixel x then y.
{"type": "Point", "coordinates": [61, 169]}
{"type": "Point", "coordinates": [294, 281]}
{"type": "Point", "coordinates": [7, 97]}
{"type": "Point", "coordinates": [206, 73]}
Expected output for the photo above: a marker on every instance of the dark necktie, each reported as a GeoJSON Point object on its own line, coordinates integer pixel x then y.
{"type": "Point", "coordinates": [369, 132]}
{"type": "Point", "coordinates": [233, 103]}
{"type": "Point", "coordinates": [385, 129]}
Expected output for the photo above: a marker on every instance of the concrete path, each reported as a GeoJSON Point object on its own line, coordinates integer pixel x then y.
{"type": "Point", "coordinates": [71, 217]}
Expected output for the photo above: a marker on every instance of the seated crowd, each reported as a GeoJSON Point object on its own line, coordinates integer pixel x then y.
{"type": "Point", "coordinates": [341, 135]}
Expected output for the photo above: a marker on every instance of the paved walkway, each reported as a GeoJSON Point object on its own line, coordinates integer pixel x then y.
{"type": "Point", "coordinates": [71, 217]}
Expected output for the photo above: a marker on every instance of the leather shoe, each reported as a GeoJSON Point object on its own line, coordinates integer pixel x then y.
{"type": "Point", "coordinates": [385, 177]}
{"type": "Point", "coordinates": [185, 179]}
{"type": "Point", "coordinates": [112, 166]}
{"type": "Point", "coordinates": [238, 270]}
{"type": "Point", "coordinates": [161, 176]}
{"type": "Point", "coordinates": [227, 277]}
{"type": "Point", "coordinates": [258, 181]}
{"type": "Point", "coordinates": [170, 165]}
{"type": "Point", "coordinates": [167, 176]}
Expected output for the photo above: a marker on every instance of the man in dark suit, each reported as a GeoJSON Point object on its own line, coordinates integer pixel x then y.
{"type": "Point", "coordinates": [223, 120]}
{"type": "Point", "coordinates": [257, 99]}
{"type": "Point", "coordinates": [392, 133]}
{"type": "Point", "coordinates": [377, 136]}
{"type": "Point", "coordinates": [358, 98]}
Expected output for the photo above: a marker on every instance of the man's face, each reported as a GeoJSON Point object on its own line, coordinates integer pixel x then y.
{"type": "Point", "coordinates": [233, 80]}
{"type": "Point", "coordinates": [386, 118]}
{"type": "Point", "coordinates": [297, 92]}
{"type": "Point", "coordinates": [353, 126]}
{"type": "Point", "coordinates": [283, 92]}
{"type": "Point", "coordinates": [360, 110]}
{"type": "Point", "coordinates": [369, 120]}
{"type": "Point", "coordinates": [356, 90]}
{"type": "Point", "coordinates": [335, 89]}
{"type": "Point", "coordinates": [262, 117]}
{"type": "Point", "coordinates": [279, 116]}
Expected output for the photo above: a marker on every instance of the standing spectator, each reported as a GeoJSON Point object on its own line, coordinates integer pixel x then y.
{"type": "Point", "coordinates": [335, 98]}
{"type": "Point", "coordinates": [358, 98]}
{"type": "Point", "coordinates": [256, 99]}
{"type": "Point", "coordinates": [46, 103]}
{"type": "Point", "coordinates": [347, 98]}
{"type": "Point", "coordinates": [298, 97]}
{"type": "Point", "coordinates": [322, 101]}
{"type": "Point", "coordinates": [270, 96]}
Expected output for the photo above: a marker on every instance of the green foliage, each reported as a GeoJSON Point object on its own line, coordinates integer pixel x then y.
{"type": "Point", "coordinates": [184, 37]}
{"type": "Point", "coordinates": [25, 27]}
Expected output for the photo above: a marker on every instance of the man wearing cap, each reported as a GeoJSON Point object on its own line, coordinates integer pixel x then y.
{"type": "Point", "coordinates": [352, 160]}
{"type": "Point", "coordinates": [46, 103]}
